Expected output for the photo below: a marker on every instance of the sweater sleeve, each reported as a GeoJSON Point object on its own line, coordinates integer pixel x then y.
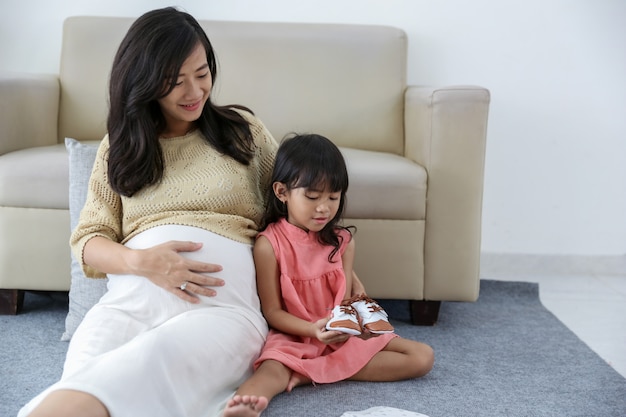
{"type": "Point", "coordinates": [102, 213]}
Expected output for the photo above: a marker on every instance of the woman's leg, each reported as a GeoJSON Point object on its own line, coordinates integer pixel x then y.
{"type": "Point", "coordinates": [400, 359]}
{"type": "Point", "coordinates": [108, 325]}
{"type": "Point", "coordinates": [189, 366]}
{"type": "Point", "coordinates": [182, 359]}
{"type": "Point", "coordinates": [70, 403]}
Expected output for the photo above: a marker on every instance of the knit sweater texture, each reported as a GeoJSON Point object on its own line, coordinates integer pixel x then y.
{"type": "Point", "coordinates": [200, 187]}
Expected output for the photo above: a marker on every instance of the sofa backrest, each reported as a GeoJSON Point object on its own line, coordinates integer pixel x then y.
{"type": "Point", "coordinates": [343, 81]}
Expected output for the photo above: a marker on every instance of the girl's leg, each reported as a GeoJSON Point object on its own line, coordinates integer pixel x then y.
{"type": "Point", "coordinates": [253, 396]}
{"type": "Point", "coordinates": [296, 380]}
{"type": "Point", "coordinates": [400, 359]}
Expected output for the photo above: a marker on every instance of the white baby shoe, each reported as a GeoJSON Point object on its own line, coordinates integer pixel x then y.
{"type": "Point", "coordinates": [372, 316]}
{"type": "Point", "coordinates": [344, 319]}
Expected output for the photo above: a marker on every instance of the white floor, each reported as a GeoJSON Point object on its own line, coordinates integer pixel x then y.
{"type": "Point", "coordinates": [593, 307]}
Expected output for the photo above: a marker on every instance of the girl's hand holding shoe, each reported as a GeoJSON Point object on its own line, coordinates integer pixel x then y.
{"type": "Point", "coordinates": [328, 336]}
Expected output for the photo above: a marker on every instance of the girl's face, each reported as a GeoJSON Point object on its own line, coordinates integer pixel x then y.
{"type": "Point", "coordinates": [184, 104]}
{"type": "Point", "coordinates": [308, 209]}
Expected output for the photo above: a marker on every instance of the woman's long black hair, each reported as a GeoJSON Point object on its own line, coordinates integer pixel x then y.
{"type": "Point", "coordinates": [145, 69]}
{"type": "Point", "coordinates": [310, 161]}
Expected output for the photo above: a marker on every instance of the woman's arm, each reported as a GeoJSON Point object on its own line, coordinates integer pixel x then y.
{"type": "Point", "coordinates": [268, 286]}
{"type": "Point", "coordinates": [161, 264]}
{"type": "Point", "coordinates": [95, 240]}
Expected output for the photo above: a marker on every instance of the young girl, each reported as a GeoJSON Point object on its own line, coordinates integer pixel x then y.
{"type": "Point", "coordinates": [304, 260]}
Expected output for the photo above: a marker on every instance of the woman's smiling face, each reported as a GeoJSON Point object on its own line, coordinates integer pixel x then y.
{"type": "Point", "coordinates": [184, 104]}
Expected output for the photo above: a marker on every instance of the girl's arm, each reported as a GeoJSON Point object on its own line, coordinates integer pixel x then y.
{"type": "Point", "coordinates": [348, 262]}
{"type": "Point", "coordinates": [357, 286]}
{"type": "Point", "coordinates": [268, 287]}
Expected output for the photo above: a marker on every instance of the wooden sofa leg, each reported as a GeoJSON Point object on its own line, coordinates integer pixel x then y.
{"type": "Point", "coordinates": [11, 301]}
{"type": "Point", "coordinates": [424, 313]}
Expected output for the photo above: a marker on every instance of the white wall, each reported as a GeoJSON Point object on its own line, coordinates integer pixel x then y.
{"type": "Point", "coordinates": [556, 155]}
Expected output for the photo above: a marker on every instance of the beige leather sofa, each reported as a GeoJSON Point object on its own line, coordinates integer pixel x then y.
{"type": "Point", "coordinates": [415, 154]}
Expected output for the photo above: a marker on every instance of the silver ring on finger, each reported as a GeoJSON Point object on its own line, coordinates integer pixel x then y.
{"type": "Point", "coordinates": [183, 286]}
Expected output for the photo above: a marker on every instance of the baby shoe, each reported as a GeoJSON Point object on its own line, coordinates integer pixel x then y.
{"type": "Point", "coordinates": [373, 317]}
{"type": "Point", "coordinates": [344, 319]}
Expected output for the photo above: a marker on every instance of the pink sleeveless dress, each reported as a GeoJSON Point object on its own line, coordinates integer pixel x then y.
{"type": "Point", "coordinates": [311, 286]}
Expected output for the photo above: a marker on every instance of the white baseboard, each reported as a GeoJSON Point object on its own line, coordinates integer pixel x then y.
{"type": "Point", "coordinates": [505, 265]}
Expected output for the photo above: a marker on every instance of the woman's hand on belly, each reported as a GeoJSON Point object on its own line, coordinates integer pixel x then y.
{"type": "Point", "coordinates": [166, 267]}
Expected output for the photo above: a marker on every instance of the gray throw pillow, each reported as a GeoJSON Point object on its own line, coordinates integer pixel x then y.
{"type": "Point", "coordinates": [84, 292]}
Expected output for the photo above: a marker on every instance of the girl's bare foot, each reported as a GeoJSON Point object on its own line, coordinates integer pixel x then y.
{"type": "Point", "coordinates": [245, 406]}
{"type": "Point", "coordinates": [297, 379]}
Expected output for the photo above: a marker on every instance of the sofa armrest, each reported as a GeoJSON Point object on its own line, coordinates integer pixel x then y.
{"type": "Point", "coordinates": [445, 131]}
{"type": "Point", "coordinates": [29, 108]}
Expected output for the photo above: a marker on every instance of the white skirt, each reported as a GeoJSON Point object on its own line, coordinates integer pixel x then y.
{"type": "Point", "coordinates": [142, 351]}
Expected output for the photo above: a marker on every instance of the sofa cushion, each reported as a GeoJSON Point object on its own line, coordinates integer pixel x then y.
{"type": "Point", "coordinates": [84, 292]}
{"type": "Point", "coordinates": [384, 186]}
{"type": "Point", "coordinates": [35, 178]}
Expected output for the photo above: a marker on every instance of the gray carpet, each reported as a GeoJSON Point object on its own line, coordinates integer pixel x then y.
{"type": "Point", "coordinates": [505, 355]}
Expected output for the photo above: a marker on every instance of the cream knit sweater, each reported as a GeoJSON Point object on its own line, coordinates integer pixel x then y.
{"type": "Point", "coordinates": [200, 188]}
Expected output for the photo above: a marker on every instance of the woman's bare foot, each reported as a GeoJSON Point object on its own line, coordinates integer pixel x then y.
{"type": "Point", "coordinates": [297, 379]}
{"type": "Point", "coordinates": [245, 406]}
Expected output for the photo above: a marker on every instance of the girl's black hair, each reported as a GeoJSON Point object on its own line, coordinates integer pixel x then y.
{"type": "Point", "coordinates": [144, 70]}
{"type": "Point", "coordinates": [314, 162]}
